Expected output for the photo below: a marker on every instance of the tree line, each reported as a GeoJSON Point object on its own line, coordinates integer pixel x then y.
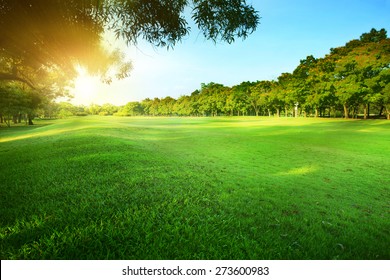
{"type": "Point", "coordinates": [351, 81]}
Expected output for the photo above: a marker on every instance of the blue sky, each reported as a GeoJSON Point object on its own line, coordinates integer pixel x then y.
{"type": "Point", "coordinates": [288, 32]}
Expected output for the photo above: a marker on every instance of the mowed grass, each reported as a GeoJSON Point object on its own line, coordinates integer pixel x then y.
{"type": "Point", "coordinates": [195, 188]}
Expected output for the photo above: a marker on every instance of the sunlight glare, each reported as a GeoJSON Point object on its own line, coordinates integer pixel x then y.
{"type": "Point", "coordinates": [85, 87]}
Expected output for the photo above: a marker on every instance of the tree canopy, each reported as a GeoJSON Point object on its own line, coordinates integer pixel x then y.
{"type": "Point", "coordinates": [352, 80]}
{"type": "Point", "coordinates": [58, 34]}
{"type": "Point", "coordinates": [42, 42]}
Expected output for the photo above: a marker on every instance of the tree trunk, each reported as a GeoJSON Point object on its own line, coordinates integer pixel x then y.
{"type": "Point", "coordinates": [316, 112]}
{"type": "Point", "coordinates": [8, 121]}
{"type": "Point", "coordinates": [346, 113]}
{"type": "Point", "coordinates": [365, 111]}
{"type": "Point", "coordinates": [388, 112]}
{"type": "Point", "coordinates": [30, 122]}
{"type": "Point", "coordinates": [278, 112]}
{"type": "Point", "coordinates": [381, 111]}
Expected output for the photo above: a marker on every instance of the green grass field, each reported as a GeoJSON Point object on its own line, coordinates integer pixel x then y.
{"type": "Point", "coordinates": [195, 188]}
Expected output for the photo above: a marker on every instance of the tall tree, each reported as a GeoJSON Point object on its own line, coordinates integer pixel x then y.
{"type": "Point", "coordinates": [211, 99]}
{"type": "Point", "coordinates": [183, 106]}
{"type": "Point", "coordinates": [259, 96]}
{"type": "Point", "coordinates": [286, 91]}
{"type": "Point", "coordinates": [241, 97]}
{"type": "Point", "coordinates": [357, 68]}
{"type": "Point", "coordinates": [166, 106]}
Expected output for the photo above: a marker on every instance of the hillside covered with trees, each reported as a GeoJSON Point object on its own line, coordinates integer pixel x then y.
{"type": "Point", "coordinates": [352, 80]}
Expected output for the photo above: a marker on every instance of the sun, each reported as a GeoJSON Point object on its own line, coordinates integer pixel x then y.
{"type": "Point", "coordinates": [85, 87]}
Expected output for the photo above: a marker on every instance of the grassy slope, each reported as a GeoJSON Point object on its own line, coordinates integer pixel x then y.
{"type": "Point", "coordinates": [195, 188]}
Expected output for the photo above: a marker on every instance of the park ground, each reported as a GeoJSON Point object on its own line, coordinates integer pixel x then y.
{"type": "Point", "coordinates": [195, 188]}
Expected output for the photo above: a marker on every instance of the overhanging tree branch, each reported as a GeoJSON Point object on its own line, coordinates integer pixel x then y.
{"type": "Point", "coordinates": [12, 77]}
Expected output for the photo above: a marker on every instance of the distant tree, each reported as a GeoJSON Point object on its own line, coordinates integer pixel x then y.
{"type": "Point", "coordinates": [131, 109]}
{"type": "Point", "coordinates": [374, 36]}
{"type": "Point", "coordinates": [211, 99]}
{"type": "Point", "coordinates": [259, 96]}
{"type": "Point", "coordinates": [16, 102]}
{"type": "Point", "coordinates": [154, 107]}
{"type": "Point", "coordinates": [94, 109]}
{"type": "Point", "coordinates": [240, 98]}
{"type": "Point", "coordinates": [109, 109]}
{"type": "Point", "coordinates": [357, 70]}
{"type": "Point", "coordinates": [12, 103]}
{"type": "Point", "coordinates": [286, 91]}
{"type": "Point", "coordinates": [166, 106]}
{"type": "Point", "coordinates": [66, 109]}
{"type": "Point", "coordinates": [385, 84]}
{"type": "Point", "coordinates": [183, 106]}
{"type": "Point", "coordinates": [146, 105]}
{"type": "Point", "coordinates": [380, 91]}
{"type": "Point", "coordinates": [194, 98]}
{"type": "Point", "coordinates": [48, 109]}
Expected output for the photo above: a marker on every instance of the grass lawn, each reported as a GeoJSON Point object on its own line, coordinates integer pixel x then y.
{"type": "Point", "coordinates": [195, 188]}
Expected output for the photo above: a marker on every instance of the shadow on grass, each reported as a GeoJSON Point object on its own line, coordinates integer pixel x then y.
{"type": "Point", "coordinates": [21, 129]}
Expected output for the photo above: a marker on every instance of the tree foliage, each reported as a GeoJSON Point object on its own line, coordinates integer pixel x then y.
{"type": "Point", "coordinates": [351, 80]}
{"type": "Point", "coordinates": [42, 42]}
{"type": "Point", "coordinates": [56, 33]}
